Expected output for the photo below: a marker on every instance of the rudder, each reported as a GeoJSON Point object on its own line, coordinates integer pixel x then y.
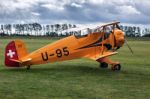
{"type": "Point", "coordinates": [15, 50]}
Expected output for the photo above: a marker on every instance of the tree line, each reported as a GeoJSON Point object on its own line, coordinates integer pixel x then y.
{"type": "Point", "coordinates": [36, 29]}
{"type": "Point", "coordinates": [133, 31]}
{"type": "Point", "coordinates": [33, 29]}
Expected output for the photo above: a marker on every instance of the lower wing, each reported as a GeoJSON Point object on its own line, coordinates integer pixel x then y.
{"type": "Point", "coordinates": [99, 56]}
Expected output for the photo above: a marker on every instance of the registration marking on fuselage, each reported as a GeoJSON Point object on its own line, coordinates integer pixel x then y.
{"type": "Point", "coordinates": [51, 55]}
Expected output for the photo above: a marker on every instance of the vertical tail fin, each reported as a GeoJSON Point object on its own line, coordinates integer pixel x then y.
{"type": "Point", "coordinates": [15, 50]}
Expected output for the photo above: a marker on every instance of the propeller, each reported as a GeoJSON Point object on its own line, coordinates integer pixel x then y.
{"type": "Point", "coordinates": [114, 39]}
{"type": "Point", "coordinates": [129, 46]}
{"type": "Point", "coordinates": [117, 26]}
{"type": "Point", "coordinates": [113, 45]}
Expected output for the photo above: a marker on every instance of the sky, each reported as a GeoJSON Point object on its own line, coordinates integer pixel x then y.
{"type": "Point", "coordinates": [75, 11]}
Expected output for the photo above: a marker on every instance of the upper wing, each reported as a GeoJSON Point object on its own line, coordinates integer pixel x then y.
{"type": "Point", "coordinates": [80, 28]}
{"type": "Point", "coordinates": [90, 26]}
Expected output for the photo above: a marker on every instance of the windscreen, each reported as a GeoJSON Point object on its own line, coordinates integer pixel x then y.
{"type": "Point", "coordinates": [83, 32]}
{"type": "Point", "coordinates": [108, 29]}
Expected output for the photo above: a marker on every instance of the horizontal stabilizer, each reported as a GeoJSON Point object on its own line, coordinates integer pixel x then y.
{"type": "Point", "coordinates": [21, 61]}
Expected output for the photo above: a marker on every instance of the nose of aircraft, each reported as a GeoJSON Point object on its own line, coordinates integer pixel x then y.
{"type": "Point", "coordinates": [120, 39]}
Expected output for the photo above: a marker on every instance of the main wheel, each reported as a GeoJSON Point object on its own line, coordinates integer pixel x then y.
{"type": "Point", "coordinates": [103, 65]}
{"type": "Point", "coordinates": [28, 67]}
{"type": "Point", "coordinates": [116, 67]}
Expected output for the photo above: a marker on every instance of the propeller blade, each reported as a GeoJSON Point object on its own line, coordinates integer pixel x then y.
{"type": "Point", "coordinates": [129, 46]}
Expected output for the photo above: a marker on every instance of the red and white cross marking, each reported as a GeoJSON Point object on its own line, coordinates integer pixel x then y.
{"type": "Point", "coordinates": [10, 53]}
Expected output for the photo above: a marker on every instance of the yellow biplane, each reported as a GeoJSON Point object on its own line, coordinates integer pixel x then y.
{"type": "Point", "coordinates": [96, 44]}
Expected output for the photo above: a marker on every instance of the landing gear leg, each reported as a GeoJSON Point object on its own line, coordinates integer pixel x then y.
{"type": "Point", "coordinates": [28, 67]}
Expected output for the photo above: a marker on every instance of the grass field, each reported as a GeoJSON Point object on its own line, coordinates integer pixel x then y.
{"type": "Point", "coordinates": [80, 78]}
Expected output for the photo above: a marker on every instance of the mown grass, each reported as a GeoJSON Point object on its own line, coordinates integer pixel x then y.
{"type": "Point", "coordinates": [80, 78]}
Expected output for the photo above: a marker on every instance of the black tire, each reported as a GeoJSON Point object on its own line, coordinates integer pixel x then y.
{"type": "Point", "coordinates": [117, 67]}
{"type": "Point", "coordinates": [28, 67]}
{"type": "Point", "coordinates": [103, 65]}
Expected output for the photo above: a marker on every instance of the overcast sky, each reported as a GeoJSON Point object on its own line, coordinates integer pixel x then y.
{"type": "Point", "coordinates": [74, 11]}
